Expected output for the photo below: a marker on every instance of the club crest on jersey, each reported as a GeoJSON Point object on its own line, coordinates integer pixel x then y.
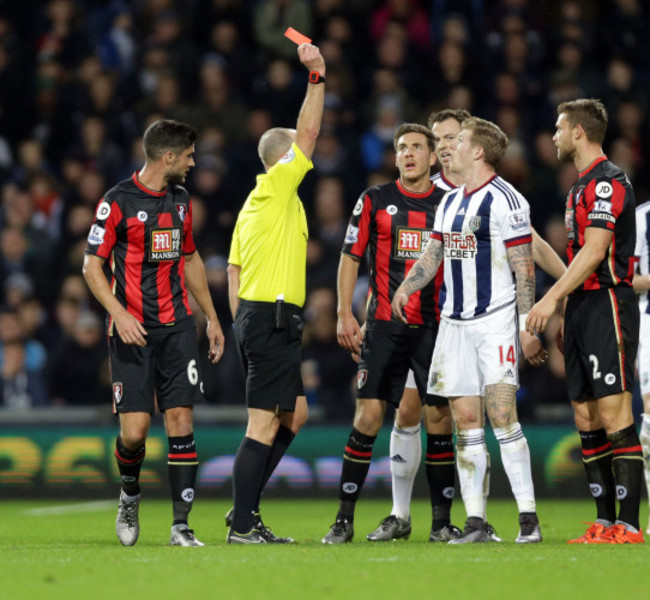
{"type": "Point", "coordinates": [411, 242]}
{"type": "Point", "coordinates": [474, 223]}
{"type": "Point", "coordinates": [568, 223]}
{"type": "Point", "coordinates": [118, 392]}
{"type": "Point", "coordinates": [165, 244]}
{"type": "Point", "coordinates": [142, 216]}
{"type": "Point", "coordinates": [460, 246]}
{"type": "Point", "coordinates": [391, 209]}
{"type": "Point", "coordinates": [181, 209]}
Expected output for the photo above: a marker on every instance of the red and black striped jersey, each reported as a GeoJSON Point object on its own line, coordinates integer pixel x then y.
{"type": "Point", "coordinates": [144, 235]}
{"type": "Point", "coordinates": [395, 225]}
{"type": "Point", "coordinates": [603, 197]}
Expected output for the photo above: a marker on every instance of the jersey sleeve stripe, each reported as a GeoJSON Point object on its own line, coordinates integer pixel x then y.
{"type": "Point", "coordinates": [523, 239]}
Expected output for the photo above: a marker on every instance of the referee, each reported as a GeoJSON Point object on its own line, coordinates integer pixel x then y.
{"type": "Point", "coordinates": [266, 278]}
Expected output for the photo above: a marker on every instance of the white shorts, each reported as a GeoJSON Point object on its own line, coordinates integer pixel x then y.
{"type": "Point", "coordinates": [472, 354]}
{"type": "Point", "coordinates": [410, 381]}
{"type": "Point", "coordinates": [643, 355]}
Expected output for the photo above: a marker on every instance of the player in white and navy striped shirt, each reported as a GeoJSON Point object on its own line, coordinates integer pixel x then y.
{"type": "Point", "coordinates": [483, 231]}
{"type": "Point", "coordinates": [641, 284]}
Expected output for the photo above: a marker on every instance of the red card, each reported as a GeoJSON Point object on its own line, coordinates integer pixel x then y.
{"type": "Point", "coordinates": [296, 37]}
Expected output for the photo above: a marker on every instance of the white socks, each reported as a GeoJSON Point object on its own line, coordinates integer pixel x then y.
{"type": "Point", "coordinates": [472, 463]}
{"type": "Point", "coordinates": [405, 456]}
{"type": "Point", "coordinates": [515, 456]}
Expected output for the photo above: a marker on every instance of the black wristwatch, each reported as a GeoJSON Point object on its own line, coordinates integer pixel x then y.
{"type": "Point", "coordinates": [316, 77]}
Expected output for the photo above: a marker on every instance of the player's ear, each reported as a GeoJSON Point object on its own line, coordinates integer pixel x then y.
{"type": "Point", "coordinates": [169, 157]}
{"type": "Point", "coordinates": [432, 158]}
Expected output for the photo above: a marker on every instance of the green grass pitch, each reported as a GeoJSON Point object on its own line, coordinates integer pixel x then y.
{"type": "Point", "coordinates": [52, 550]}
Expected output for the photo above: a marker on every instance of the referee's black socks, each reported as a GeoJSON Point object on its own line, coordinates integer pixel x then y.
{"type": "Point", "coordinates": [356, 462]}
{"type": "Point", "coordinates": [247, 478]}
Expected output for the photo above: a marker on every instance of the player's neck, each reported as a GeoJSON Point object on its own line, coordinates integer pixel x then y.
{"type": "Point", "coordinates": [453, 178]}
{"type": "Point", "coordinates": [478, 177]}
{"type": "Point", "coordinates": [587, 155]}
{"type": "Point", "coordinates": [417, 186]}
{"type": "Point", "coordinates": [152, 178]}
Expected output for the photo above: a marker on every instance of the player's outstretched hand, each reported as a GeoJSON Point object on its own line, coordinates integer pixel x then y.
{"type": "Point", "coordinates": [130, 330]}
{"type": "Point", "coordinates": [400, 300]}
{"type": "Point", "coordinates": [216, 339]}
{"type": "Point", "coordinates": [533, 350]}
{"type": "Point", "coordinates": [311, 57]}
{"type": "Point", "coordinates": [348, 334]}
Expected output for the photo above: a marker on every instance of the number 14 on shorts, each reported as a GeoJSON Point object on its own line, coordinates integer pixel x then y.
{"type": "Point", "coordinates": [507, 355]}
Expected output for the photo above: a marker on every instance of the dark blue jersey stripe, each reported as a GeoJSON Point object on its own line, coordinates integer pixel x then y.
{"type": "Point", "coordinates": [457, 265]}
{"type": "Point", "coordinates": [483, 263]}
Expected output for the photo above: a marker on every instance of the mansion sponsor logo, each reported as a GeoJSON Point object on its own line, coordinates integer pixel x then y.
{"type": "Point", "coordinates": [411, 242]}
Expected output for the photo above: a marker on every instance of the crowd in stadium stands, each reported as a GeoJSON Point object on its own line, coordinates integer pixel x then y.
{"type": "Point", "coordinates": [80, 81]}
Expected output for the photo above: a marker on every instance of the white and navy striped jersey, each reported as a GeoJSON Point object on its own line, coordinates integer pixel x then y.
{"type": "Point", "coordinates": [441, 182]}
{"type": "Point", "coordinates": [475, 229]}
{"type": "Point", "coordinates": [642, 250]}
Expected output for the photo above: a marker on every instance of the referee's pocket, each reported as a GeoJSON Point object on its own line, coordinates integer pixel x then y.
{"type": "Point", "coordinates": [295, 327]}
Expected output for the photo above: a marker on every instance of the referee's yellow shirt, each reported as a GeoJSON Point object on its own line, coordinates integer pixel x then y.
{"type": "Point", "coordinates": [270, 238]}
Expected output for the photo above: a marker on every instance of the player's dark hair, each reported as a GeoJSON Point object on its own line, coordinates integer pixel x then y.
{"type": "Point", "coordinates": [164, 135]}
{"type": "Point", "coordinates": [458, 114]}
{"type": "Point", "coordinates": [590, 113]}
{"type": "Point", "coordinates": [405, 128]}
{"type": "Point", "coordinates": [488, 136]}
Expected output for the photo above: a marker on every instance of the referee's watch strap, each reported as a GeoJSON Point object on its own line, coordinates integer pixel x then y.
{"type": "Point", "coordinates": [316, 77]}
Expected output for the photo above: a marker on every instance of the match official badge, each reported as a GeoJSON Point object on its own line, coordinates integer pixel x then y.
{"type": "Point", "coordinates": [117, 392]}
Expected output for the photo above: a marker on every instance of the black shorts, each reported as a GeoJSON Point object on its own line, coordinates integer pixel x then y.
{"type": "Point", "coordinates": [601, 336]}
{"type": "Point", "coordinates": [166, 370]}
{"type": "Point", "coordinates": [388, 352]}
{"type": "Point", "coordinates": [270, 355]}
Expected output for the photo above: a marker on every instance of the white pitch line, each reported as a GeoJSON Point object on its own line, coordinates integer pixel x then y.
{"type": "Point", "coordinates": [64, 509]}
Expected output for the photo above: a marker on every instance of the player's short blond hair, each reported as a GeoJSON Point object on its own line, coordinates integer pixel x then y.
{"type": "Point", "coordinates": [489, 136]}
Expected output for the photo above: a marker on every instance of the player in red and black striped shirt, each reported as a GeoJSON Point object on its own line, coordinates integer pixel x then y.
{"type": "Point", "coordinates": [601, 329]}
{"type": "Point", "coordinates": [393, 223]}
{"type": "Point", "coordinates": [140, 263]}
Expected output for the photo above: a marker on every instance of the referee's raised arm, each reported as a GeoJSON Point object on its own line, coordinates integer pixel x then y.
{"type": "Point", "coordinates": [311, 113]}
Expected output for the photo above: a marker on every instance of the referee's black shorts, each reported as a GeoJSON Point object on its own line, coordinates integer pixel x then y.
{"type": "Point", "coordinates": [166, 370]}
{"type": "Point", "coordinates": [270, 355]}
{"type": "Point", "coordinates": [389, 350]}
{"type": "Point", "coordinates": [601, 337]}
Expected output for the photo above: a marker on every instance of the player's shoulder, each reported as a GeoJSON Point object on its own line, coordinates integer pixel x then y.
{"type": "Point", "coordinates": [503, 191]}
{"type": "Point", "coordinates": [643, 209]}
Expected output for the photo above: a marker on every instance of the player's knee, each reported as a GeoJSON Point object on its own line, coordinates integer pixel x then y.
{"type": "Point", "coordinates": [296, 420]}
{"type": "Point", "coordinates": [368, 419]}
{"type": "Point", "coordinates": [438, 420]}
{"type": "Point", "coordinates": [408, 416]}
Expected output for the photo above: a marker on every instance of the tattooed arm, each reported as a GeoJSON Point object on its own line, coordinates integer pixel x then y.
{"type": "Point", "coordinates": [521, 262]}
{"type": "Point", "coordinates": [422, 272]}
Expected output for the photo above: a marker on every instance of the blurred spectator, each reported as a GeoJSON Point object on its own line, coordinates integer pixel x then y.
{"type": "Point", "coordinates": [21, 387]}
{"type": "Point", "coordinates": [78, 371]}
{"type": "Point", "coordinates": [328, 370]}
{"type": "Point", "coordinates": [271, 19]}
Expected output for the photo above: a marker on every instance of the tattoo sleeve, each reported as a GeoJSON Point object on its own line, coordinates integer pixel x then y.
{"type": "Point", "coordinates": [521, 262]}
{"type": "Point", "coordinates": [424, 269]}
